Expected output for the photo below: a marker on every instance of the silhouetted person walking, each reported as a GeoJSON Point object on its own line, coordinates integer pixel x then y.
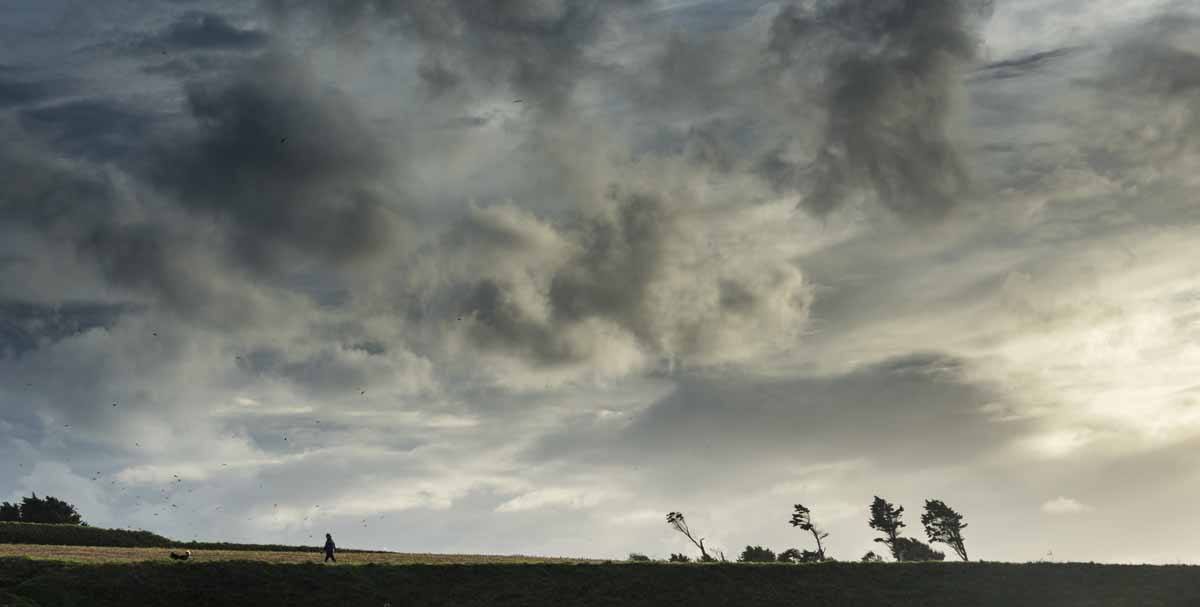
{"type": "Point", "coordinates": [329, 547]}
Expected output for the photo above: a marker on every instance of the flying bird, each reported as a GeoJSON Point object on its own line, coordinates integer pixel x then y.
{"type": "Point", "coordinates": [282, 139]}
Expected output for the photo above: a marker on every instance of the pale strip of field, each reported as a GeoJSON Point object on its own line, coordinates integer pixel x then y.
{"type": "Point", "coordinates": [90, 554]}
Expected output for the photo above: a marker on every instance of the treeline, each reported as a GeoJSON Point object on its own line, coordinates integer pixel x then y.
{"type": "Point", "coordinates": [942, 525]}
{"type": "Point", "coordinates": [33, 509]}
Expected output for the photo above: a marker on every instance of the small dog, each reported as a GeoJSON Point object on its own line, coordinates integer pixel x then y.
{"type": "Point", "coordinates": [187, 554]}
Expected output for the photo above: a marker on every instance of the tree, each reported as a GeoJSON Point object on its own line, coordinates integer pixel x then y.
{"type": "Point", "coordinates": [944, 525]}
{"type": "Point", "coordinates": [637, 557]}
{"type": "Point", "coordinates": [871, 557]}
{"type": "Point", "coordinates": [801, 518]}
{"type": "Point", "coordinates": [757, 554]}
{"type": "Point", "coordinates": [679, 558]}
{"type": "Point", "coordinates": [49, 510]}
{"type": "Point", "coordinates": [912, 549]}
{"type": "Point", "coordinates": [10, 512]}
{"type": "Point", "coordinates": [675, 519]}
{"type": "Point", "coordinates": [886, 518]}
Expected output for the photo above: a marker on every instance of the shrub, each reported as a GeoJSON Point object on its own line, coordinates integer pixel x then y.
{"type": "Point", "coordinates": [757, 554]}
{"type": "Point", "coordinates": [637, 557]}
{"type": "Point", "coordinates": [871, 557]}
{"type": "Point", "coordinates": [679, 558]}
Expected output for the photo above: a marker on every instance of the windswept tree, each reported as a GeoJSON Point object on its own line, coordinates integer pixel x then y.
{"type": "Point", "coordinates": [885, 518]}
{"type": "Point", "coordinates": [675, 519]}
{"type": "Point", "coordinates": [801, 518]}
{"type": "Point", "coordinates": [944, 525]}
{"type": "Point", "coordinates": [10, 512]}
{"type": "Point", "coordinates": [912, 549]}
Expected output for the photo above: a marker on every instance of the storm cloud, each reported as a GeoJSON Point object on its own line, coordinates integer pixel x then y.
{"type": "Point", "coordinates": [414, 272]}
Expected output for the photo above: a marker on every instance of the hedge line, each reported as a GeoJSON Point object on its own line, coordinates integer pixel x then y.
{"type": "Point", "coordinates": [75, 535]}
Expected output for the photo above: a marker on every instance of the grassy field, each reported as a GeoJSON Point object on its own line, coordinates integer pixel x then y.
{"type": "Point", "coordinates": [101, 577]}
{"type": "Point", "coordinates": [97, 555]}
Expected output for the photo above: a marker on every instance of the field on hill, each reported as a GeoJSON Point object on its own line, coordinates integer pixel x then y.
{"type": "Point", "coordinates": [218, 583]}
{"type": "Point", "coordinates": [105, 554]}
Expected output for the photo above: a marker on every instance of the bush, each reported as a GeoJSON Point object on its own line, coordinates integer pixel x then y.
{"type": "Point", "coordinates": [792, 555]}
{"type": "Point", "coordinates": [912, 549]}
{"type": "Point", "coordinates": [74, 535]}
{"type": "Point", "coordinates": [757, 554]}
{"type": "Point", "coordinates": [679, 558]}
{"type": "Point", "coordinates": [637, 557]}
{"type": "Point", "coordinates": [871, 557]}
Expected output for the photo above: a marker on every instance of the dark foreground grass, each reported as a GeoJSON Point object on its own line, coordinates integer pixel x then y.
{"type": "Point", "coordinates": [27, 583]}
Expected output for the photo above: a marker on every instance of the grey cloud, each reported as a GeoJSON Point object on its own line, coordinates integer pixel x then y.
{"type": "Point", "coordinates": [536, 46]}
{"type": "Point", "coordinates": [626, 274]}
{"type": "Point", "coordinates": [1026, 64]}
{"type": "Point", "coordinates": [892, 81]}
{"type": "Point", "coordinates": [26, 326]}
{"type": "Point", "coordinates": [1149, 91]}
{"type": "Point", "coordinates": [917, 411]}
{"type": "Point", "coordinates": [17, 92]}
{"type": "Point", "coordinates": [100, 129]}
{"type": "Point", "coordinates": [204, 32]}
{"type": "Point", "coordinates": [288, 166]}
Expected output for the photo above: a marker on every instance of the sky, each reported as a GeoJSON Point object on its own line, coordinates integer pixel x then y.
{"type": "Point", "coordinates": [522, 277]}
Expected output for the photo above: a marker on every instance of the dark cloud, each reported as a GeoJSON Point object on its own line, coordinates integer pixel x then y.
{"type": "Point", "coordinates": [611, 274]}
{"type": "Point", "coordinates": [287, 165]}
{"type": "Point", "coordinates": [198, 31]}
{"type": "Point", "coordinates": [99, 129]}
{"type": "Point", "coordinates": [1026, 64]}
{"type": "Point", "coordinates": [891, 80]}
{"type": "Point", "coordinates": [26, 326]}
{"type": "Point", "coordinates": [16, 92]}
{"type": "Point", "coordinates": [186, 66]}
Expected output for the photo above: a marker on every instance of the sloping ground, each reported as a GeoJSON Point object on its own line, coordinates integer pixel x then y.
{"type": "Point", "coordinates": [78, 535]}
{"type": "Point", "coordinates": [97, 555]}
{"type": "Point", "coordinates": [221, 583]}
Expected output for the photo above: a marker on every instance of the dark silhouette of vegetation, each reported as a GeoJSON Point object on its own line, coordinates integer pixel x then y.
{"type": "Point", "coordinates": [794, 555]}
{"type": "Point", "coordinates": [871, 557]}
{"type": "Point", "coordinates": [885, 518]}
{"type": "Point", "coordinates": [912, 549]}
{"type": "Point", "coordinates": [944, 525]}
{"type": "Point", "coordinates": [757, 554]}
{"type": "Point", "coordinates": [29, 582]}
{"type": "Point", "coordinates": [802, 518]}
{"type": "Point", "coordinates": [676, 520]}
{"type": "Point", "coordinates": [679, 558]}
{"type": "Point", "coordinates": [637, 557]}
{"type": "Point", "coordinates": [78, 535]}
{"type": "Point", "coordinates": [48, 510]}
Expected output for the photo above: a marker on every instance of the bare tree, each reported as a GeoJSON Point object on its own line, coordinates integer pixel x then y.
{"type": "Point", "coordinates": [675, 519]}
{"type": "Point", "coordinates": [801, 518]}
